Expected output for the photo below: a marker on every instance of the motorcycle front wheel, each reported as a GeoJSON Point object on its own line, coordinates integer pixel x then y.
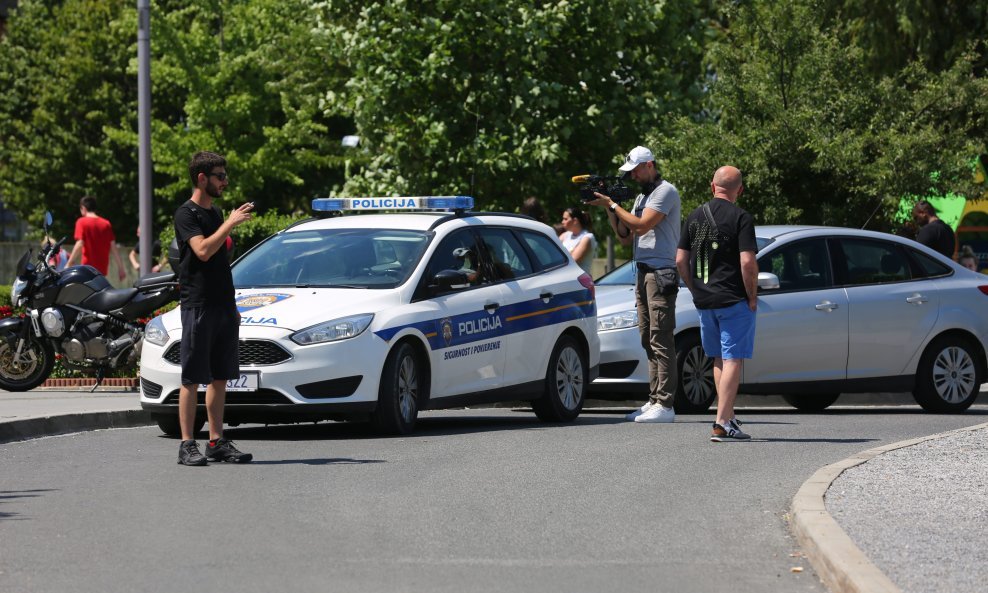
{"type": "Point", "coordinates": [31, 369]}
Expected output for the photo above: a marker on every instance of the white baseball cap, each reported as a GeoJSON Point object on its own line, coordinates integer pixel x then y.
{"type": "Point", "coordinates": [637, 156]}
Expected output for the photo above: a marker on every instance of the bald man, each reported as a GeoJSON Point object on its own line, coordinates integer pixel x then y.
{"type": "Point", "coordinates": [716, 259]}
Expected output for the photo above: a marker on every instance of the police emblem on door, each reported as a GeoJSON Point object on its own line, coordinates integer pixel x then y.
{"type": "Point", "coordinates": [447, 327]}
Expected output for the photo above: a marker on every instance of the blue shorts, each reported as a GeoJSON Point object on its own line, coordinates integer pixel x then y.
{"type": "Point", "coordinates": [728, 332]}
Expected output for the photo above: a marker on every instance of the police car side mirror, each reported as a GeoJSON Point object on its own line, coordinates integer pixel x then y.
{"type": "Point", "coordinates": [449, 280]}
{"type": "Point", "coordinates": [768, 281]}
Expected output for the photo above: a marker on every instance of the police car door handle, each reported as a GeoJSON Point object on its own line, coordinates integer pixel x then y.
{"type": "Point", "coordinates": [917, 299]}
{"type": "Point", "coordinates": [826, 306]}
{"type": "Point", "coordinates": [491, 307]}
{"type": "Point", "coordinates": [546, 296]}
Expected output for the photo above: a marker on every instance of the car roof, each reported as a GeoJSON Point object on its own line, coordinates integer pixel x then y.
{"type": "Point", "coordinates": [778, 231]}
{"type": "Point", "coordinates": [417, 221]}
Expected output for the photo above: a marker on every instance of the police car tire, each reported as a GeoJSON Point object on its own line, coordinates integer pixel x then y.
{"type": "Point", "coordinates": [401, 367]}
{"type": "Point", "coordinates": [168, 423]}
{"type": "Point", "coordinates": [566, 355]}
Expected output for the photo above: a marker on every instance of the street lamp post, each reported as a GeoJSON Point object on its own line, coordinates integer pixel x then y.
{"type": "Point", "coordinates": [144, 132]}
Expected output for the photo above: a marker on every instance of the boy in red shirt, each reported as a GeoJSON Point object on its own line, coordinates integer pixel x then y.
{"type": "Point", "coordinates": [94, 240]}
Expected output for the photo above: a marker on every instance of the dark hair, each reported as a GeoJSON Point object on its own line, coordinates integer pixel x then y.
{"type": "Point", "coordinates": [581, 216]}
{"type": "Point", "coordinates": [204, 162]}
{"type": "Point", "coordinates": [532, 207]}
{"type": "Point", "coordinates": [925, 207]}
{"type": "Point", "coordinates": [89, 203]}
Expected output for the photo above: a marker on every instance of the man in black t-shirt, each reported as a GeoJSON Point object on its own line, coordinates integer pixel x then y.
{"type": "Point", "coordinates": [933, 232]}
{"type": "Point", "coordinates": [716, 259]}
{"type": "Point", "coordinates": [210, 321]}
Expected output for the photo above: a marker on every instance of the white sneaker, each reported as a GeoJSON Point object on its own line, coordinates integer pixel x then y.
{"type": "Point", "coordinates": [639, 411]}
{"type": "Point", "coordinates": [657, 413]}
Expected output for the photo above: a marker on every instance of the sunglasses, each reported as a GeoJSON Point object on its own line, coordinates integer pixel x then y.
{"type": "Point", "coordinates": [220, 176]}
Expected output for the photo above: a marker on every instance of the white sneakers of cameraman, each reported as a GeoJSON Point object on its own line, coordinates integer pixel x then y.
{"type": "Point", "coordinates": [653, 413]}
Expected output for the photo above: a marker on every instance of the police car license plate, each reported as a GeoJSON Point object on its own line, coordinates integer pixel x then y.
{"type": "Point", "coordinates": [245, 382]}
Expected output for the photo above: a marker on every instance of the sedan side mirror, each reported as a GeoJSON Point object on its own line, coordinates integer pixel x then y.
{"type": "Point", "coordinates": [768, 281]}
{"type": "Point", "coordinates": [449, 280]}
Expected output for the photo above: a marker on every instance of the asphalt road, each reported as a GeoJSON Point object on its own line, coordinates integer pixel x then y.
{"type": "Point", "coordinates": [475, 500]}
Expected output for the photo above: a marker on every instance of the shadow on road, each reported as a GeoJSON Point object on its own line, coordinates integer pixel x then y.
{"type": "Point", "coordinates": [326, 461]}
{"type": "Point", "coordinates": [9, 495]}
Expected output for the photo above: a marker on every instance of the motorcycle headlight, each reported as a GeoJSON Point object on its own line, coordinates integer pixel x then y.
{"type": "Point", "coordinates": [331, 331]}
{"type": "Point", "coordinates": [155, 332]}
{"type": "Point", "coordinates": [16, 290]}
{"type": "Point", "coordinates": [618, 320]}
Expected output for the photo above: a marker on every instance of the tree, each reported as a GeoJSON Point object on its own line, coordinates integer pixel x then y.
{"type": "Point", "coordinates": [503, 99]}
{"type": "Point", "coordinates": [247, 79]}
{"type": "Point", "coordinates": [821, 138]}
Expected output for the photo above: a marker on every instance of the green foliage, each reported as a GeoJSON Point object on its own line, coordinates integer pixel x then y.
{"type": "Point", "coordinates": [246, 79]}
{"type": "Point", "coordinates": [503, 99]}
{"type": "Point", "coordinates": [820, 138]}
{"type": "Point", "coordinates": [5, 296]}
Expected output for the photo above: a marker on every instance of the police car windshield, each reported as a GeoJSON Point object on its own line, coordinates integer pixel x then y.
{"type": "Point", "coordinates": [332, 258]}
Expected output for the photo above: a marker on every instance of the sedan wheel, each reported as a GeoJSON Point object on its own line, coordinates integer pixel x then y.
{"type": "Point", "coordinates": [402, 388]}
{"type": "Point", "coordinates": [696, 376]}
{"type": "Point", "coordinates": [948, 377]}
{"type": "Point", "coordinates": [565, 384]}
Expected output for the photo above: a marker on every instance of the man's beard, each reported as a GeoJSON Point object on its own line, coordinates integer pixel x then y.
{"type": "Point", "coordinates": [213, 191]}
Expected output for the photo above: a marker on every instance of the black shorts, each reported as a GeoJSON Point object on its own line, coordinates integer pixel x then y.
{"type": "Point", "coordinates": [210, 338]}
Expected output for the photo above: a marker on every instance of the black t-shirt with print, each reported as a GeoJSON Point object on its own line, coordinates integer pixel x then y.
{"type": "Point", "coordinates": [715, 255]}
{"type": "Point", "coordinates": [202, 282]}
{"type": "Point", "coordinates": [937, 236]}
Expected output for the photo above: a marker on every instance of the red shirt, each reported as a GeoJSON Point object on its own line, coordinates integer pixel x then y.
{"type": "Point", "coordinates": [97, 237]}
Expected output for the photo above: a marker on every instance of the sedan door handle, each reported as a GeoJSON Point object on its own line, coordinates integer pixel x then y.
{"type": "Point", "coordinates": [546, 296]}
{"type": "Point", "coordinates": [827, 306]}
{"type": "Point", "coordinates": [917, 299]}
{"type": "Point", "coordinates": [491, 307]}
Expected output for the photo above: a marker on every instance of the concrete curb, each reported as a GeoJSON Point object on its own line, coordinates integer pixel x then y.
{"type": "Point", "coordinates": [32, 428]}
{"type": "Point", "coordinates": [842, 566]}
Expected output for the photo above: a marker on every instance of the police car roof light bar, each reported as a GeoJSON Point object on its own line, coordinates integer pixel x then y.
{"type": "Point", "coordinates": [406, 203]}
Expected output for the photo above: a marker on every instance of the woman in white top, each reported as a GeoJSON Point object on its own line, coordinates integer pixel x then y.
{"type": "Point", "coordinates": [578, 237]}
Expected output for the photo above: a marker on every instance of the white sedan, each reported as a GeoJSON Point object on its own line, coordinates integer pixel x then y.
{"type": "Point", "coordinates": [379, 316]}
{"type": "Point", "coordinates": [839, 311]}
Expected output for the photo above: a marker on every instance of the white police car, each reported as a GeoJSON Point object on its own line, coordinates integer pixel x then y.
{"type": "Point", "coordinates": [379, 316]}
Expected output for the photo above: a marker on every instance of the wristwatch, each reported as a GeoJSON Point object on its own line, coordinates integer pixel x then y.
{"type": "Point", "coordinates": [613, 206]}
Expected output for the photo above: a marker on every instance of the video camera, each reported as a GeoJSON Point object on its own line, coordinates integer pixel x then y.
{"type": "Point", "coordinates": [612, 187]}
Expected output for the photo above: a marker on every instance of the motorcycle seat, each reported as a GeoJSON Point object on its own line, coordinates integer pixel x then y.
{"type": "Point", "coordinates": [108, 300]}
{"type": "Point", "coordinates": [156, 278]}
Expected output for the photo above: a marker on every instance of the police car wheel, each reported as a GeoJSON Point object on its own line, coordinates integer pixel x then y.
{"type": "Point", "coordinates": [402, 385]}
{"type": "Point", "coordinates": [565, 383]}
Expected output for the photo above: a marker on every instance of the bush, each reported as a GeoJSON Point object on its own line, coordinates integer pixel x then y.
{"type": "Point", "coordinates": [5, 296]}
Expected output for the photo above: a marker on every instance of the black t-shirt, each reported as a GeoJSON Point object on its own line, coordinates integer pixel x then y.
{"type": "Point", "coordinates": [937, 236]}
{"type": "Point", "coordinates": [203, 282]}
{"type": "Point", "coordinates": [715, 255]}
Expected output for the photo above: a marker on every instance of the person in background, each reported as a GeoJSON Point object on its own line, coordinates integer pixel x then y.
{"type": "Point", "coordinates": [135, 255]}
{"type": "Point", "coordinates": [60, 259]}
{"type": "Point", "coordinates": [933, 232]}
{"type": "Point", "coordinates": [968, 259]}
{"type": "Point", "coordinates": [577, 237]}
{"type": "Point", "coordinates": [533, 207]}
{"type": "Point", "coordinates": [95, 241]}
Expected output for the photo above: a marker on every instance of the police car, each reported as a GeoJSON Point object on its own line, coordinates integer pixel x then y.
{"type": "Point", "coordinates": [377, 316]}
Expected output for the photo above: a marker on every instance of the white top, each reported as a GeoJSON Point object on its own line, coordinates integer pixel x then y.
{"type": "Point", "coordinates": [570, 241]}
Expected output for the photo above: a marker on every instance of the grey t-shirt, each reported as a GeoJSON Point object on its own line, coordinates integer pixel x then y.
{"type": "Point", "coordinates": [657, 247]}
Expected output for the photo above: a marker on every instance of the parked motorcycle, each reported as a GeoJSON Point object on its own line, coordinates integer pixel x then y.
{"type": "Point", "coordinates": [75, 313]}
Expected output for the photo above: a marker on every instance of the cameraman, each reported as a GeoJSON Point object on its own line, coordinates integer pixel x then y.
{"type": "Point", "coordinates": [654, 224]}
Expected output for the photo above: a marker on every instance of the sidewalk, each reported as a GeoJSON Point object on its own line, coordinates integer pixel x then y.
{"type": "Point", "coordinates": [44, 413]}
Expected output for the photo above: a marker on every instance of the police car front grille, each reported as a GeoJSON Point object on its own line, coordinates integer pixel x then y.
{"type": "Point", "coordinates": [240, 398]}
{"type": "Point", "coordinates": [151, 389]}
{"type": "Point", "coordinates": [618, 370]}
{"type": "Point", "coordinates": [251, 352]}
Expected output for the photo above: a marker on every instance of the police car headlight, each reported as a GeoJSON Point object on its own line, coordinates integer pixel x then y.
{"type": "Point", "coordinates": [331, 331]}
{"type": "Point", "coordinates": [155, 332]}
{"type": "Point", "coordinates": [618, 320]}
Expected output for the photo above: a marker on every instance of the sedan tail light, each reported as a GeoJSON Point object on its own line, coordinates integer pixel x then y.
{"type": "Point", "coordinates": [983, 288]}
{"type": "Point", "coordinates": [587, 283]}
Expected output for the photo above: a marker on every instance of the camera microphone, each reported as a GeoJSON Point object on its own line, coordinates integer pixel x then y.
{"type": "Point", "coordinates": [580, 178]}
